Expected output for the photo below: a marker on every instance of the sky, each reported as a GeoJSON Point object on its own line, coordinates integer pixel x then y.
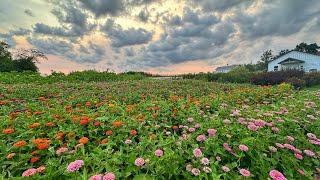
{"type": "Point", "coordinates": [157, 36]}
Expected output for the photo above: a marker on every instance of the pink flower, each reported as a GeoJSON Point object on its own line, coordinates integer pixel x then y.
{"type": "Point", "coordinates": [158, 153]}
{"type": "Point", "coordinates": [109, 176]}
{"type": "Point", "coordinates": [315, 142]}
{"type": "Point", "coordinates": [279, 145]}
{"type": "Point", "coordinates": [309, 153]}
{"type": "Point", "coordinates": [207, 169]}
{"type": "Point", "coordinates": [205, 161]}
{"type": "Point", "coordinates": [190, 119]}
{"type": "Point", "coordinates": [96, 177]}
{"type": "Point", "coordinates": [311, 136]}
{"type": "Point", "coordinates": [245, 172]}
{"type": "Point", "coordinates": [41, 169]}
{"type": "Point", "coordinates": [301, 172]}
{"type": "Point", "coordinates": [218, 158]}
{"type": "Point", "coordinates": [29, 172]}
{"type": "Point", "coordinates": [139, 162]}
{"type": "Point", "coordinates": [195, 171]}
{"type": "Point", "coordinates": [197, 125]}
{"type": "Point", "coordinates": [289, 146]}
{"type": "Point", "coordinates": [211, 132]}
{"type": "Point", "coordinates": [226, 121]}
{"type": "Point", "coordinates": [253, 127]}
{"type": "Point", "coordinates": [201, 138]}
{"type": "Point", "coordinates": [197, 152]}
{"type": "Point", "coordinates": [275, 129]}
{"type": "Point", "coordinates": [192, 129]}
{"type": "Point", "coordinates": [290, 138]}
{"type": "Point", "coordinates": [259, 122]}
{"type": "Point", "coordinates": [225, 169]}
{"type": "Point", "coordinates": [75, 165]}
{"type": "Point", "coordinates": [298, 156]}
{"type": "Point", "coordinates": [189, 167]}
{"type": "Point", "coordinates": [276, 175]}
{"type": "Point", "coordinates": [243, 147]}
{"type": "Point", "coordinates": [61, 150]}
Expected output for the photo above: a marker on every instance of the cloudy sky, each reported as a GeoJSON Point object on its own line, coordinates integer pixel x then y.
{"type": "Point", "coordinates": [159, 36]}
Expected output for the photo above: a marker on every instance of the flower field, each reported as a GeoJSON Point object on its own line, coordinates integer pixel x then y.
{"type": "Point", "coordinates": [158, 129]}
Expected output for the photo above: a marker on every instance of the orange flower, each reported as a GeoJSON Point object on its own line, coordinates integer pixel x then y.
{"type": "Point", "coordinates": [71, 135]}
{"type": "Point", "coordinates": [88, 104]}
{"type": "Point", "coordinates": [11, 155]}
{"type": "Point", "coordinates": [152, 136]}
{"type": "Point", "coordinates": [129, 108]}
{"type": "Point", "coordinates": [58, 117]}
{"type": "Point", "coordinates": [174, 97]}
{"type": "Point", "coordinates": [175, 127]}
{"type": "Point", "coordinates": [37, 113]}
{"type": "Point", "coordinates": [68, 108]}
{"type": "Point", "coordinates": [109, 132]}
{"type": "Point", "coordinates": [34, 159]}
{"type": "Point", "coordinates": [8, 131]}
{"type": "Point", "coordinates": [117, 124]}
{"type": "Point", "coordinates": [50, 124]}
{"type": "Point", "coordinates": [41, 143]}
{"type": "Point", "coordinates": [133, 132]}
{"type": "Point", "coordinates": [20, 144]}
{"type": "Point", "coordinates": [84, 120]}
{"type": "Point", "coordinates": [83, 140]}
{"type": "Point", "coordinates": [104, 141]}
{"type": "Point", "coordinates": [60, 136]}
{"type": "Point", "coordinates": [34, 125]}
{"type": "Point", "coordinates": [2, 103]}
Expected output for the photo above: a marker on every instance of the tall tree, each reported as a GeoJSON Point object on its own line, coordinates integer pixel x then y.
{"type": "Point", "coordinates": [308, 48]}
{"type": "Point", "coordinates": [265, 58]}
{"type": "Point", "coordinates": [6, 64]}
{"type": "Point", "coordinates": [26, 59]}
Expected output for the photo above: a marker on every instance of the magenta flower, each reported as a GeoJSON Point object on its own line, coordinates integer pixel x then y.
{"type": "Point", "coordinates": [244, 172]}
{"type": "Point", "coordinates": [109, 176]}
{"type": "Point", "coordinates": [276, 175]}
{"type": "Point", "coordinates": [298, 156]}
{"type": "Point", "coordinates": [29, 172]}
{"type": "Point", "coordinates": [309, 153]}
{"type": "Point", "coordinates": [158, 153]}
{"type": "Point", "coordinates": [75, 165]}
{"type": "Point", "coordinates": [275, 129]}
{"type": "Point", "coordinates": [205, 161]}
{"type": "Point", "coordinates": [201, 138]}
{"type": "Point", "coordinates": [192, 129]}
{"type": "Point", "coordinates": [311, 136]}
{"type": "Point", "coordinates": [212, 132]}
{"type": "Point", "coordinates": [290, 138]}
{"type": "Point", "coordinates": [96, 177]}
{"type": "Point", "coordinates": [195, 171]}
{"type": "Point", "coordinates": [243, 147]}
{"type": "Point", "coordinates": [225, 169]}
{"type": "Point", "coordinates": [61, 150]}
{"type": "Point", "coordinates": [289, 146]}
{"type": "Point", "coordinates": [253, 127]}
{"type": "Point", "coordinates": [139, 162]}
{"type": "Point", "coordinates": [280, 145]}
{"type": "Point", "coordinates": [197, 152]}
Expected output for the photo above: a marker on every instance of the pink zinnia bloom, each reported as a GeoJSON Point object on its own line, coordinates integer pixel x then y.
{"type": "Point", "coordinates": [205, 161]}
{"type": "Point", "coordinates": [279, 145]}
{"type": "Point", "coordinates": [61, 150]}
{"type": "Point", "coordinates": [197, 125]}
{"type": "Point", "coordinates": [243, 147]}
{"type": "Point", "coordinates": [290, 138]}
{"type": "Point", "coordinates": [309, 153]}
{"type": "Point", "coordinates": [190, 119]}
{"type": "Point", "coordinates": [211, 132]}
{"type": "Point", "coordinates": [197, 152]}
{"type": "Point", "coordinates": [189, 167]}
{"type": "Point", "coordinates": [227, 147]}
{"type": "Point", "coordinates": [207, 169]}
{"type": "Point", "coordinates": [158, 153]}
{"type": "Point", "coordinates": [29, 172]}
{"type": "Point", "coordinates": [226, 121]}
{"type": "Point", "coordinates": [275, 129]}
{"type": "Point", "coordinates": [75, 165]}
{"type": "Point", "coordinates": [41, 169]}
{"type": "Point", "coordinates": [128, 141]}
{"type": "Point", "coordinates": [96, 177]}
{"type": "Point", "coordinates": [245, 172]}
{"type": "Point", "coordinates": [259, 122]}
{"type": "Point", "coordinates": [109, 176]}
{"type": "Point", "coordinates": [276, 175]}
{"type": "Point", "coordinates": [225, 169]}
{"type": "Point", "coordinates": [289, 146]}
{"type": "Point", "coordinates": [301, 171]}
{"type": "Point", "coordinates": [298, 156]}
{"type": "Point", "coordinates": [218, 158]}
{"type": "Point", "coordinates": [311, 136]}
{"type": "Point", "coordinates": [195, 171]}
{"type": "Point", "coordinates": [139, 162]}
{"type": "Point", "coordinates": [201, 138]}
{"type": "Point", "coordinates": [192, 129]}
{"type": "Point", "coordinates": [253, 127]}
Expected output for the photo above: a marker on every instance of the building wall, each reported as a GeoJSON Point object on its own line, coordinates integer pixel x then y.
{"type": "Point", "coordinates": [311, 61]}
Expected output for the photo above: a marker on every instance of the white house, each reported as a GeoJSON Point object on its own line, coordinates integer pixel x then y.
{"type": "Point", "coordinates": [296, 60]}
{"type": "Point", "coordinates": [225, 69]}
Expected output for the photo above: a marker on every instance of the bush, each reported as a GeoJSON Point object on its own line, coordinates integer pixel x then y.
{"type": "Point", "coordinates": [277, 77]}
{"type": "Point", "coordinates": [312, 79]}
{"type": "Point", "coordinates": [296, 82]}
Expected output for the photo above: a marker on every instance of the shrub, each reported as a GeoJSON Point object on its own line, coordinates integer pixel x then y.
{"type": "Point", "coordinates": [277, 77]}
{"type": "Point", "coordinates": [296, 82]}
{"type": "Point", "coordinates": [312, 79]}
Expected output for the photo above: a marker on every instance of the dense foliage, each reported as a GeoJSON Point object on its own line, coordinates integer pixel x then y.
{"type": "Point", "coordinates": [158, 129]}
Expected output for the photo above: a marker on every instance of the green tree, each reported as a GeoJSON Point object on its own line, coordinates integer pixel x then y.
{"type": "Point", "coordinates": [26, 59]}
{"type": "Point", "coordinates": [6, 63]}
{"type": "Point", "coordinates": [265, 58]}
{"type": "Point", "coordinates": [308, 48]}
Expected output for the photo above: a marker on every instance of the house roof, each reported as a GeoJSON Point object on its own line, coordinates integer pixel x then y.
{"type": "Point", "coordinates": [291, 61]}
{"type": "Point", "coordinates": [291, 52]}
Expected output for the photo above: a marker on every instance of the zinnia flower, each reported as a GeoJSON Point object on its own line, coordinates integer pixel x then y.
{"type": "Point", "coordinates": [201, 138]}
{"type": "Point", "coordinates": [309, 153]}
{"type": "Point", "coordinates": [29, 172]}
{"type": "Point", "coordinates": [109, 176]}
{"type": "Point", "coordinates": [276, 175]}
{"type": "Point", "coordinates": [197, 152]}
{"type": "Point", "coordinates": [96, 177]}
{"type": "Point", "coordinates": [245, 172]}
{"type": "Point", "coordinates": [75, 165]}
{"type": "Point", "coordinates": [205, 161]}
{"type": "Point", "coordinates": [212, 132]}
{"type": "Point", "coordinates": [158, 153]}
{"type": "Point", "coordinates": [139, 162]}
{"type": "Point", "coordinates": [225, 169]}
{"type": "Point", "coordinates": [243, 147]}
{"type": "Point", "coordinates": [207, 169]}
{"type": "Point", "coordinates": [195, 171]}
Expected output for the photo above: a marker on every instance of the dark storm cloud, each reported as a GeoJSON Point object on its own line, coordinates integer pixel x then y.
{"type": "Point", "coordinates": [29, 12]}
{"type": "Point", "coordinates": [112, 7]}
{"type": "Point", "coordinates": [277, 18]}
{"type": "Point", "coordinates": [218, 5]}
{"type": "Point", "coordinates": [125, 37]}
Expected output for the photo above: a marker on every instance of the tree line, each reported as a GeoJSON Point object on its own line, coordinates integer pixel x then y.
{"type": "Point", "coordinates": [20, 59]}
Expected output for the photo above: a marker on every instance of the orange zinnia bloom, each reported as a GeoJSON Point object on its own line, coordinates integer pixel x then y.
{"type": "Point", "coordinates": [20, 144]}
{"type": "Point", "coordinates": [104, 141]}
{"type": "Point", "coordinates": [8, 131]}
{"type": "Point", "coordinates": [49, 124]}
{"type": "Point", "coordinates": [84, 120]}
{"type": "Point", "coordinates": [83, 140]}
{"type": "Point", "coordinates": [109, 132]}
{"type": "Point", "coordinates": [34, 125]}
{"type": "Point", "coordinates": [60, 135]}
{"type": "Point", "coordinates": [88, 104]}
{"type": "Point", "coordinates": [10, 156]}
{"type": "Point", "coordinates": [117, 124]}
{"type": "Point", "coordinates": [41, 143]}
{"type": "Point", "coordinates": [34, 159]}
{"type": "Point", "coordinates": [133, 132]}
